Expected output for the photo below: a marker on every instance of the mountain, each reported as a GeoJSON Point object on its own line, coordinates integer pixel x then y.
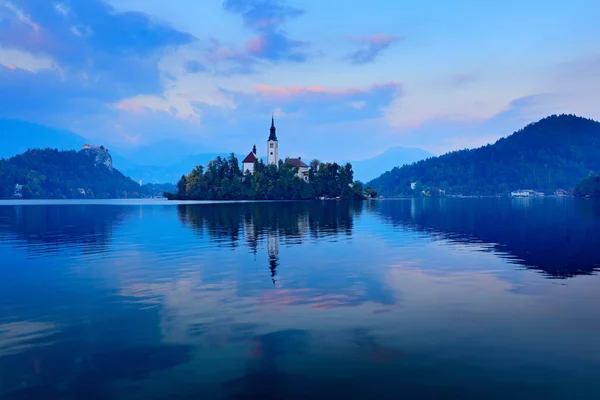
{"type": "Point", "coordinates": [54, 174]}
{"type": "Point", "coordinates": [588, 187]}
{"type": "Point", "coordinates": [170, 173]}
{"type": "Point", "coordinates": [555, 152]}
{"type": "Point", "coordinates": [19, 136]}
{"type": "Point", "coordinates": [366, 170]}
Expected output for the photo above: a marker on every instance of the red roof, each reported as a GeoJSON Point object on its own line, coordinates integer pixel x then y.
{"type": "Point", "coordinates": [296, 162]}
{"type": "Point", "coordinates": [250, 158]}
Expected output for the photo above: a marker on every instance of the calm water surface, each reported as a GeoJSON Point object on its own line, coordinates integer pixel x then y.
{"type": "Point", "coordinates": [454, 298]}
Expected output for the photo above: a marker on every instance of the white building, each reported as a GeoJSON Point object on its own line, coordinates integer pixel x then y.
{"type": "Point", "coordinates": [525, 193]}
{"type": "Point", "coordinates": [18, 189]}
{"type": "Point", "coordinates": [248, 162]}
{"type": "Point", "coordinates": [272, 146]}
{"type": "Point", "coordinates": [302, 167]}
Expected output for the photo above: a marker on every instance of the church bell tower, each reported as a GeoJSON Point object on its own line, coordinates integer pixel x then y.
{"type": "Point", "coordinates": [272, 145]}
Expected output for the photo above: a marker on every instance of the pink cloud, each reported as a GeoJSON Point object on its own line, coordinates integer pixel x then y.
{"type": "Point", "coordinates": [381, 39]}
{"type": "Point", "coordinates": [130, 106]}
{"type": "Point", "coordinates": [255, 45]}
{"type": "Point", "coordinates": [293, 91]}
{"type": "Point", "coordinates": [9, 66]}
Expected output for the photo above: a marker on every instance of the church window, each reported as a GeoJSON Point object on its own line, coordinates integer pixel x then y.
{"type": "Point", "coordinates": [271, 146]}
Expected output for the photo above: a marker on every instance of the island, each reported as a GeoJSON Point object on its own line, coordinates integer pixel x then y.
{"type": "Point", "coordinates": [288, 179]}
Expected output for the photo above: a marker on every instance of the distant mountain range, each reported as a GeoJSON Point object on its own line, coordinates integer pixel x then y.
{"type": "Point", "coordinates": [555, 152]}
{"type": "Point", "coordinates": [143, 164]}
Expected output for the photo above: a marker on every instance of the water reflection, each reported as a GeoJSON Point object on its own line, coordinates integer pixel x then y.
{"type": "Point", "coordinates": [560, 237]}
{"type": "Point", "coordinates": [292, 221]}
{"type": "Point", "coordinates": [390, 299]}
{"type": "Point", "coordinates": [46, 230]}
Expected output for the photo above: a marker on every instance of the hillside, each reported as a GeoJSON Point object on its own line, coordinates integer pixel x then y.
{"type": "Point", "coordinates": [54, 174]}
{"type": "Point", "coordinates": [588, 187]}
{"type": "Point", "coordinates": [552, 153]}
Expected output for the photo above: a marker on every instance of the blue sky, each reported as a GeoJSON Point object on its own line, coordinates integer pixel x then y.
{"type": "Point", "coordinates": [346, 80]}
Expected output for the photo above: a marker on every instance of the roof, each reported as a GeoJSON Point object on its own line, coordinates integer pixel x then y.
{"type": "Point", "coordinates": [272, 134]}
{"type": "Point", "coordinates": [250, 158]}
{"type": "Point", "coordinates": [296, 162]}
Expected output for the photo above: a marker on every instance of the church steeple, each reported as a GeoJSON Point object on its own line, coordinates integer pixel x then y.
{"type": "Point", "coordinates": [273, 135]}
{"type": "Point", "coordinates": [254, 149]}
{"type": "Point", "coordinates": [272, 145]}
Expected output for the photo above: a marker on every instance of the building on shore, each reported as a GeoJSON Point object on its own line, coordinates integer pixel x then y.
{"type": "Point", "coordinates": [525, 193]}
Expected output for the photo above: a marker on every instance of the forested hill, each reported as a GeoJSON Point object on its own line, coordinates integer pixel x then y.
{"type": "Point", "coordinates": [556, 152]}
{"type": "Point", "coordinates": [53, 174]}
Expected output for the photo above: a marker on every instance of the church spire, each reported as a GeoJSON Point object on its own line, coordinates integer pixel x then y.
{"type": "Point", "coordinates": [254, 149]}
{"type": "Point", "coordinates": [273, 135]}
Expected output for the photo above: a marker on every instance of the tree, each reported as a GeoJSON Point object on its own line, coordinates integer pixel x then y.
{"type": "Point", "coordinates": [372, 193]}
{"type": "Point", "coordinates": [182, 187]}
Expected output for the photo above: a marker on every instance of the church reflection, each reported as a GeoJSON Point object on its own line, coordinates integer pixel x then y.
{"type": "Point", "coordinates": [273, 252]}
{"type": "Point", "coordinates": [270, 225]}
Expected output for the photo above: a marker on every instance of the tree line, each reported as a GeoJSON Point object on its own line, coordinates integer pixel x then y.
{"type": "Point", "coordinates": [53, 174]}
{"type": "Point", "coordinates": [551, 154]}
{"type": "Point", "coordinates": [222, 179]}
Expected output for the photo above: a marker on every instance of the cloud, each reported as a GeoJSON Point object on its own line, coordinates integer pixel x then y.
{"type": "Point", "coordinates": [318, 104]}
{"type": "Point", "coordinates": [262, 15]}
{"type": "Point", "coordinates": [19, 14]}
{"type": "Point", "coordinates": [183, 100]}
{"type": "Point", "coordinates": [68, 60]}
{"type": "Point", "coordinates": [62, 9]}
{"type": "Point", "coordinates": [194, 66]}
{"type": "Point", "coordinates": [114, 49]}
{"type": "Point", "coordinates": [17, 59]}
{"type": "Point", "coordinates": [265, 18]}
{"type": "Point", "coordinates": [359, 105]}
{"type": "Point", "coordinates": [372, 47]}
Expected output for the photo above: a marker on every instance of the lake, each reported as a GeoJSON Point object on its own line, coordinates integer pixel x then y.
{"type": "Point", "coordinates": [422, 298]}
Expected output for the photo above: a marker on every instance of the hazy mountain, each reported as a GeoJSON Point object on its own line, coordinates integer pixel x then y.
{"type": "Point", "coordinates": [165, 161]}
{"type": "Point", "coordinates": [169, 173]}
{"type": "Point", "coordinates": [366, 170]}
{"type": "Point", "coordinates": [555, 152]}
{"type": "Point", "coordinates": [18, 136]}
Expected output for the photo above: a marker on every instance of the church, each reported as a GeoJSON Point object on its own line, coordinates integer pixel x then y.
{"type": "Point", "coordinates": [273, 156]}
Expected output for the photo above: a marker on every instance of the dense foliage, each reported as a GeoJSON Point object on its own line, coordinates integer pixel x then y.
{"type": "Point", "coordinates": [224, 180]}
{"type": "Point", "coordinates": [547, 155]}
{"type": "Point", "coordinates": [588, 187]}
{"type": "Point", "coordinates": [53, 174]}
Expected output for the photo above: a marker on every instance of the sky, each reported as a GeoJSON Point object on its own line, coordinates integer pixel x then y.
{"type": "Point", "coordinates": [344, 80]}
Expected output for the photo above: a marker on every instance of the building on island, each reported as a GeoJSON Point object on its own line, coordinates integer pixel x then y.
{"type": "Point", "coordinates": [272, 145]}
{"type": "Point", "coordinates": [248, 162]}
{"type": "Point", "coordinates": [302, 167]}
{"type": "Point", "coordinates": [273, 156]}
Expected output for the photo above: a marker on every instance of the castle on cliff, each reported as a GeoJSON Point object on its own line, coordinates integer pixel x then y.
{"type": "Point", "coordinates": [273, 156]}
